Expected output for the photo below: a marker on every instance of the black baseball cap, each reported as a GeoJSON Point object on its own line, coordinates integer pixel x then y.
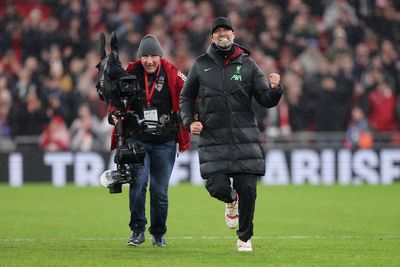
{"type": "Point", "coordinates": [221, 22]}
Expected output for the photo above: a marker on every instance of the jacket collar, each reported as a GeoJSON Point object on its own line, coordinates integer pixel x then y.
{"type": "Point", "coordinates": [236, 56]}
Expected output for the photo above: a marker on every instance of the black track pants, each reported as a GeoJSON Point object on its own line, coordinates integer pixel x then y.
{"type": "Point", "coordinates": [219, 187]}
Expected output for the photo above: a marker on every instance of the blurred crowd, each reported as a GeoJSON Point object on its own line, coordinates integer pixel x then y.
{"type": "Point", "coordinates": [338, 59]}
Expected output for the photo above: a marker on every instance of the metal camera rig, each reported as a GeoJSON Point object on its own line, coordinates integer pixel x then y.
{"type": "Point", "coordinates": [126, 154]}
{"type": "Point", "coordinates": [120, 91]}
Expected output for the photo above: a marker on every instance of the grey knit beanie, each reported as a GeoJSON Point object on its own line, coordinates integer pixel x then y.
{"type": "Point", "coordinates": [149, 46]}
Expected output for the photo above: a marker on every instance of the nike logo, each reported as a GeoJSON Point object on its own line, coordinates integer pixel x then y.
{"type": "Point", "coordinates": [208, 69]}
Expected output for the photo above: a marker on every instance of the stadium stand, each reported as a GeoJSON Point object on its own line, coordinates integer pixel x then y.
{"type": "Point", "coordinates": [334, 56]}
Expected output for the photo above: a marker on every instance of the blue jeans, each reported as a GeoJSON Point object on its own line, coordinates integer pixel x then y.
{"type": "Point", "coordinates": [158, 164]}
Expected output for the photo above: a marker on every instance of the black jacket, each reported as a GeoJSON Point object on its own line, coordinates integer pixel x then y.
{"type": "Point", "coordinates": [230, 141]}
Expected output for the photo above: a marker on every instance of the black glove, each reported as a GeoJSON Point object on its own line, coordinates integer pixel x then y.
{"type": "Point", "coordinates": [110, 69]}
{"type": "Point", "coordinates": [115, 70]}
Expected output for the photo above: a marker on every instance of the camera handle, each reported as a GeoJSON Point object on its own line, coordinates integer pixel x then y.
{"type": "Point", "coordinates": [119, 128]}
{"type": "Point", "coordinates": [123, 173]}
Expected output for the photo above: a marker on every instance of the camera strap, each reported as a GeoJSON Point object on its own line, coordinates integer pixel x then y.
{"type": "Point", "coordinates": [149, 95]}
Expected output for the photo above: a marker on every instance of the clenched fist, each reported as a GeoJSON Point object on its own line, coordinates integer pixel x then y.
{"type": "Point", "coordinates": [196, 127]}
{"type": "Point", "coordinates": [274, 79]}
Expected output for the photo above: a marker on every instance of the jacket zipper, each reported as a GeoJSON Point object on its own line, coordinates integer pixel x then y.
{"type": "Point", "coordinates": [223, 80]}
{"type": "Point", "coordinates": [231, 143]}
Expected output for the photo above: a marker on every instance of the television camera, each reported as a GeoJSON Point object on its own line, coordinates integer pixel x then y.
{"type": "Point", "coordinates": [120, 90]}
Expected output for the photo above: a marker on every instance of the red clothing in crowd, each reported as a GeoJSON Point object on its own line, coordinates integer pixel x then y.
{"type": "Point", "coordinates": [381, 112]}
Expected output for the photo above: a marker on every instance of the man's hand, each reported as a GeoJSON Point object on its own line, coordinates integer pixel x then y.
{"type": "Point", "coordinates": [196, 127]}
{"type": "Point", "coordinates": [274, 79]}
{"type": "Point", "coordinates": [115, 120]}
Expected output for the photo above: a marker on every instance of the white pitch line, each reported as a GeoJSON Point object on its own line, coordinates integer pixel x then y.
{"type": "Point", "coordinates": [196, 238]}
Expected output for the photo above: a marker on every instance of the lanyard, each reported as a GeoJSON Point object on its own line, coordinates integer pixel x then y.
{"type": "Point", "coordinates": [149, 95]}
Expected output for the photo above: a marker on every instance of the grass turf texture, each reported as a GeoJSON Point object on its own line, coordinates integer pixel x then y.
{"type": "Point", "coordinates": [41, 225]}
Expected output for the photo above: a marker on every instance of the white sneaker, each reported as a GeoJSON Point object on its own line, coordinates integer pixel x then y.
{"type": "Point", "coordinates": [244, 246]}
{"type": "Point", "coordinates": [232, 213]}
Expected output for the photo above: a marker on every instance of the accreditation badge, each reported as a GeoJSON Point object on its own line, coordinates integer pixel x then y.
{"type": "Point", "coordinates": [150, 114]}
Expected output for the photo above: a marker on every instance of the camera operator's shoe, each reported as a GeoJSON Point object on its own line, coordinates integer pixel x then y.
{"type": "Point", "coordinates": [159, 241]}
{"type": "Point", "coordinates": [244, 246]}
{"type": "Point", "coordinates": [232, 213]}
{"type": "Point", "coordinates": [136, 239]}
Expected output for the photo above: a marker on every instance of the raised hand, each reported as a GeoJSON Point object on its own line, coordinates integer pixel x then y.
{"type": "Point", "coordinates": [274, 79]}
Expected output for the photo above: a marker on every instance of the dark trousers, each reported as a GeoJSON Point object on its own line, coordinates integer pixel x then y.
{"type": "Point", "coordinates": [219, 187]}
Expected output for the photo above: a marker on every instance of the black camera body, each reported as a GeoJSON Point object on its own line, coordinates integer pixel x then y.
{"type": "Point", "coordinates": [115, 179]}
{"type": "Point", "coordinates": [125, 92]}
{"type": "Point", "coordinates": [120, 90]}
{"type": "Point", "coordinates": [125, 156]}
{"type": "Point", "coordinates": [130, 154]}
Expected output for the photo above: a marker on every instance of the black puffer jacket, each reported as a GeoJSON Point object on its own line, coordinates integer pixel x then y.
{"type": "Point", "coordinates": [230, 141]}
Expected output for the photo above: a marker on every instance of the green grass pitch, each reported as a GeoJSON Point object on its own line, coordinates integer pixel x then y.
{"type": "Point", "coordinates": [41, 225]}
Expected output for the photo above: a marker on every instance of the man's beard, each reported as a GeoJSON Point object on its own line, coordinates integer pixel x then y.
{"type": "Point", "coordinates": [224, 43]}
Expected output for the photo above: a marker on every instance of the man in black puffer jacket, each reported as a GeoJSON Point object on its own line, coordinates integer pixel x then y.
{"type": "Point", "coordinates": [222, 83]}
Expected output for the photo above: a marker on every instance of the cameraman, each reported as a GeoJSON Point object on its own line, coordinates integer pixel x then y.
{"type": "Point", "coordinates": [160, 83]}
